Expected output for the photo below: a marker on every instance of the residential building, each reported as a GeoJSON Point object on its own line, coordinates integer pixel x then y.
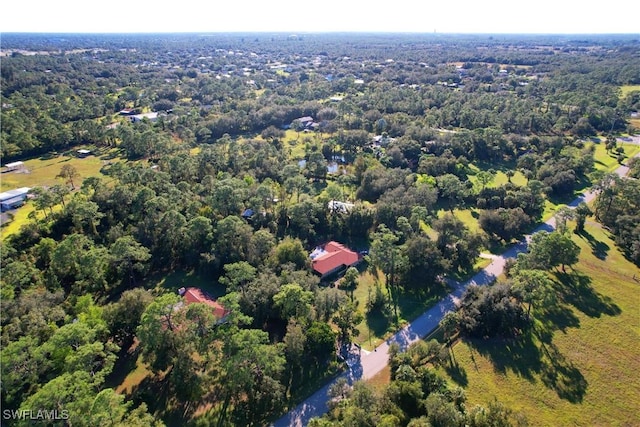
{"type": "Point", "coordinates": [333, 258]}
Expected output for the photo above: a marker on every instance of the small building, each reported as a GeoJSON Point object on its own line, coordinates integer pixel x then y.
{"type": "Point", "coordinates": [13, 198]}
{"type": "Point", "coordinates": [197, 295]}
{"type": "Point", "coordinates": [83, 153]}
{"type": "Point", "coordinates": [153, 116]}
{"type": "Point", "coordinates": [340, 207]}
{"type": "Point", "coordinates": [306, 123]}
{"type": "Point", "coordinates": [14, 166]}
{"type": "Point", "coordinates": [333, 258]}
{"type": "Point", "coordinates": [247, 213]}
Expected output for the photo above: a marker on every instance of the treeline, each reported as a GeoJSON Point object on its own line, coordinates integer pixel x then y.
{"type": "Point", "coordinates": [616, 207]}
{"type": "Point", "coordinates": [54, 101]}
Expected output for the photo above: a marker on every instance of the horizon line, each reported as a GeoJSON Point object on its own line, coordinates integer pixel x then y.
{"type": "Point", "coordinates": [293, 33]}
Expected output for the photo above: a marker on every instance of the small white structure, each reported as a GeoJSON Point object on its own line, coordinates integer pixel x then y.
{"type": "Point", "coordinates": [340, 207]}
{"type": "Point", "coordinates": [14, 166]}
{"type": "Point", "coordinates": [153, 116]}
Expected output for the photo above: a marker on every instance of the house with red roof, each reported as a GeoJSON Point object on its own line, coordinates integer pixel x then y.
{"type": "Point", "coordinates": [193, 295]}
{"type": "Point", "coordinates": [332, 258]}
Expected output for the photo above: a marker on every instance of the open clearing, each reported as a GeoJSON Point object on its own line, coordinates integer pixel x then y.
{"type": "Point", "coordinates": [581, 366]}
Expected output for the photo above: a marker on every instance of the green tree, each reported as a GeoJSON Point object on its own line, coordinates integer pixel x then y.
{"type": "Point", "coordinates": [293, 302]}
{"type": "Point", "coordinates": [350, 280]}
{"type": "Point", "coordinates": [290, 250]}
{"type": "Point", "coordinates": [451, 189]}
{"type": "Point", "coordinates": [533, 287]}
{"type": "Point", "coordinates": [84, 211]}
{"type": "Point", "coordinates": [563, 215]}
{"type": "Point", "coordinates": [71, 391]}
{"type": "Point", "coordinates": [109, 408]}
{"type": "Point", "coordinates": [347, 319]}
{"type": "Point", "coordinates": [237, 276]}
{"type": "Point", "coordinates": [449, 324]}
{"type": "Point", "coordinates": [156, 332]}
{"type": "Point", "coordinates": [68, 172]}
{"type": "Point", "coordinates": [123, 316]}
{"type": "Point", "coordinates": [385, 254]}
{"type": "Point", "coordinates": [582, 211]}
{"type": "Point", "coordinates": [321, 342]}
{"type": "Point", "coordinates": [59, 192]}
{"type": "Point", "coordinates": [43, 200]}
{"type": "Point", "coordinates": [129, 258]}
{"type": "Point", "coordinates": [548, 250]}
{"type": "Point", "coordinates": [79, 264]}
{"type": "Point", "coordinates": [425, 264]}
{"type": "Point", "coordinates": [250, 381]}
{"type": "Point", "coordinates": [295, 341]}
{"type": "Point", "coordinates": [23, 364]}
{"type": "Point", "coordinates": [485, 178]}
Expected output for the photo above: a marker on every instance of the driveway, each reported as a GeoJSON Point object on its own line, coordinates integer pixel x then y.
{"type": "Point", "coordinates": [365, 365]}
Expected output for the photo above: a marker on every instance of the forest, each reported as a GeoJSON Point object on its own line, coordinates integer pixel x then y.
{"type": "Point", "coordinates": [219, 159]}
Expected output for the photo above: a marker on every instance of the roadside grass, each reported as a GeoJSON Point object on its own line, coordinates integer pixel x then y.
{"type": "Point", "coordinates": [608, 162]}
{"type": "Point", "coordinates": [580, 365]}
{"type": "Point", "coordinates": [378, 326]}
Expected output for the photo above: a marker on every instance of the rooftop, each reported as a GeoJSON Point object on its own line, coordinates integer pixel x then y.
{"type": "Point", "coordinates": [331, 257]}
{"type": "Point", "coordinates": [197, 295]}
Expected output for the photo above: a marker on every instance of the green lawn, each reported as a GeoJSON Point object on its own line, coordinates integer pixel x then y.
{"type": "Point", "coordinates": [627, 89]}
{"type": "Point", "coordinates": [42, 172]}
{"type": "Point", "coordinates": [608, 162]}
{"type": "Point", "coordinates": [500, 178]}
{"type": "Point", "coordinates": [469, 217]}
{"type": "Point", "coordinates": [376, 328]}
{"type": "Point", "coordinates": [581, 366]}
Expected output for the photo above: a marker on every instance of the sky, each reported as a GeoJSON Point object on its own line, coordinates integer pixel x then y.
{"type": "Point", "coordinates": [416, 16]}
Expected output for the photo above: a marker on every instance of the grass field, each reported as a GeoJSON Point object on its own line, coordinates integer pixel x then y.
{"type": "Point", "coordinates": [608, 162]}
{"type": "Point", "coordinates": [42, 172]}
{"type": "Point", "coordinates": [627, 89]}
{"type": "Point", "coordinates": [580, 367]}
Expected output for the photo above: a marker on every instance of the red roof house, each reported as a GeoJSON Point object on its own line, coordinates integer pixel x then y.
{"type": "Point", "coordinates": [192, 295]}
{"type": "Point", "coordinates": [332, 258]}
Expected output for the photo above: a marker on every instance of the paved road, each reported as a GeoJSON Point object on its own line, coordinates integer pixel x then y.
{"type": "Point", "coordinates": [367, 364]}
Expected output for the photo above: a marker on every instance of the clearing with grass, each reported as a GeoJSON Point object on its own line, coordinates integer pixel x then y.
{"type": "Point", "coordinates": [580, 366]}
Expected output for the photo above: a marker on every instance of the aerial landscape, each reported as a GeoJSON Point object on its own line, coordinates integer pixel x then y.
{"type": "Point", "coordinates": [331, 228]}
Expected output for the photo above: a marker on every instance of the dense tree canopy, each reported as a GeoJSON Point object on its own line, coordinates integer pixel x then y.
{"type": "Point", "coordinates": [221, 159]}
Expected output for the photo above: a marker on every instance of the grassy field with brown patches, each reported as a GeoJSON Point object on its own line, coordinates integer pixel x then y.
{"type": "Point", "coordinates": [581, 365]}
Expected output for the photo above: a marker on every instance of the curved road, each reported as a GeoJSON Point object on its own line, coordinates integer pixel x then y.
{"type": "Point", "coordinates": [365, 365]}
